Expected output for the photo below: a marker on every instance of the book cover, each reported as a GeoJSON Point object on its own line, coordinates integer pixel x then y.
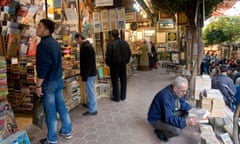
{"type": "Point", "coordinates": [4, 106]}
{"type": "Point", "coordinates": [32, 46]}
{"type": "Point", "coordinates": [200, 114]}
{"type": "Point", "coordinates": [226, 138]}
{"type": "Point", "coordinates": [22, 11]}
{"type": "Point", "coordinates": [20, 137]}
{"type": "Point", "coordinates": [23, 49]}
{"type": "Point", "coordinates": [8, 125]}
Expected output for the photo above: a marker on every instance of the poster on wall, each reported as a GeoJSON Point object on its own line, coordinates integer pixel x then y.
{"type": "Point", "coordinates": [131, 17]}
{"type": "Point", "coordinates": [121, 18]}
{"type": "Point", "coordinates": [161, 37]}
{"type": "Point", "coordinates": [96, 22]}
{"type": "Point", "coordinates": [112, 19]}
{"type": "Point", "coordinates": [172, 36]}
{"type": "Point", "coordinates": [96, 18]}
{"type": "Point", "coordinates": [104, 20]}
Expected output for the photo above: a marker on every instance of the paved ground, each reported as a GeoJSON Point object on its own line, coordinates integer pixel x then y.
{"type": "Point", "coordinates": [124, 122]}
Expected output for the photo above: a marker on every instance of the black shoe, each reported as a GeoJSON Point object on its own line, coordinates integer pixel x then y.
{"type": "Point", "coordinates": [160, 135]}
{"type": "Point", "coordinates": [85, 105]}
{"type": "Point", "coordinates": [44, 141]}
{"type": "Point", "coordinates": [89, 113]}
{"type": "Point", "coordinates": [115, 100]}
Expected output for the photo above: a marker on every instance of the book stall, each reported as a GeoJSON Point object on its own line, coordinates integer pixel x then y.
{"type": "Point", "coordinates": [9, 132]}
{"type": "Point", "coordinates": [18, 43]}
{"type": "Point", "coordinates": [215, 118]}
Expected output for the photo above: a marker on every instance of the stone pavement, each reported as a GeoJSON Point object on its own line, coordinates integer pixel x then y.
{"type": "Point", "coordinates": [122, 122]}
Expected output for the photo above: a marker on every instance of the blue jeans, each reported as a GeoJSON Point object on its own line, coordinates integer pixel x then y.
{"type": "Point", "coordinates": [91, 96]}
{"type": "Point", "coordinates": [53, 102]}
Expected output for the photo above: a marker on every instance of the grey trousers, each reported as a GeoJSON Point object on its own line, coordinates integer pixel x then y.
{"type": "Point", "coordinates": [167, 129]}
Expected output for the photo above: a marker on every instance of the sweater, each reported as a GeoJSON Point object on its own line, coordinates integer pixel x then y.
{"type": "Point", "coordinates": [49, 59]}
{"type": "Point", "coordinates": [87, 61]}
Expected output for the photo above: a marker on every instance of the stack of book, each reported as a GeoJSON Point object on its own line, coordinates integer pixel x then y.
{"type": "Point", "coordinates": [21, 80]}
{"type": "Point", "coordinates": [71, 92]}
{"type": "Point", "coordinates": [8, 124]}
{"type": "Point", "coordinates": [103, 90]}
{"type": "Point", "coordinates": [217, 102]}
{"type": "Point", "coordinates": [206, 103]}
{"type": "Point", "coordinates": [207, 135]}
{"type": "Point", "coordinates": [3, 78]}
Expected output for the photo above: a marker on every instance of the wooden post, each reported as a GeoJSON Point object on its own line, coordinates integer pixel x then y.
{"type": "Point", "coordinates": [46, 8]}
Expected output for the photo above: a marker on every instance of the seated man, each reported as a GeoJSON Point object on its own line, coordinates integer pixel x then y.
{"type": "Point", "coordinates": [168, 111]}
{"type": "Point", "coordinates": [225, 84]}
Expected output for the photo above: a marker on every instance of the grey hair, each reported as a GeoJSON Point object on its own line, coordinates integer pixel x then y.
{"type": "Point", "coordinates": [177, 82]}
{"type": "Point", "coordinates": [237, 81]}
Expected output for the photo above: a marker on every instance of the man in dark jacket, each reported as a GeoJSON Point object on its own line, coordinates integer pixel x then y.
{"type": "Point", "coordinates": [226, 85]}
{"type": "Point", "coordinates": [168, 111]}
{"type": "Point", "coordinates": [50, 83]}
{"type": "Point", "coordinates": [117, 56]}
{"type": "Point", "coordinates": [88, 71]}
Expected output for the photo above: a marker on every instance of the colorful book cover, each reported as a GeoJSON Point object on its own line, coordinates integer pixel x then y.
{"type": "Point", "coordinates": [22, 11]}
{"type": "Point", "coordinates": [32, 46]}
{"type": "Point", "coordinates": [23, 49]}
{"type": "Point", "coordinates": [20, 137]}
{"type": "Point", "coordinates": [8, 125]}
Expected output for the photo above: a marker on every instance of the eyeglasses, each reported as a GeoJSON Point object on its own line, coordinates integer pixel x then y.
{"type": "Point", "coordinates": [183, 91]}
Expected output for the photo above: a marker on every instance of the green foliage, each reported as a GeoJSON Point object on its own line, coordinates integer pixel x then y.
{"type": "Point", "coordinates": [215, 37]}
{"type": "Point", "coordinates": [228, 26]}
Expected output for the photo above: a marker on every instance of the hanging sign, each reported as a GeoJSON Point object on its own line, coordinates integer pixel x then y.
{"type": "Point", "coordinates": [101, 3]}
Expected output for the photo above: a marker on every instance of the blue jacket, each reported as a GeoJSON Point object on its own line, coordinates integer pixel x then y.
{"type": "Point", "coordinates": [163, 108]}
{"type": "Point", "coordinates": [49, 59]}
{"type": "Point", "coordinates": [225, 85]}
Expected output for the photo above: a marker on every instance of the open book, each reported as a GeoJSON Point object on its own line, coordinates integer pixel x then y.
{"type": "Point", "coordinates": [200, 114]}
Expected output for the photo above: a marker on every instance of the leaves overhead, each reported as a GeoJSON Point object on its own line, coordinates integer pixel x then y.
{"type": "Point", "coordinates": [225, 29]}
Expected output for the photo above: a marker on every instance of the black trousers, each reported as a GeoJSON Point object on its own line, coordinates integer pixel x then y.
{"type": "Point", "coordinates": [118, 71]}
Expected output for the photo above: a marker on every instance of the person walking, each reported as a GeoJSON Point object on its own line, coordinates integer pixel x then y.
{"type": "Point", "coordinates": [117, 56]}
{"type": "Point", "coordinates": [88, 72]}
{"type": "Point", "coordinates": [50, 83]}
